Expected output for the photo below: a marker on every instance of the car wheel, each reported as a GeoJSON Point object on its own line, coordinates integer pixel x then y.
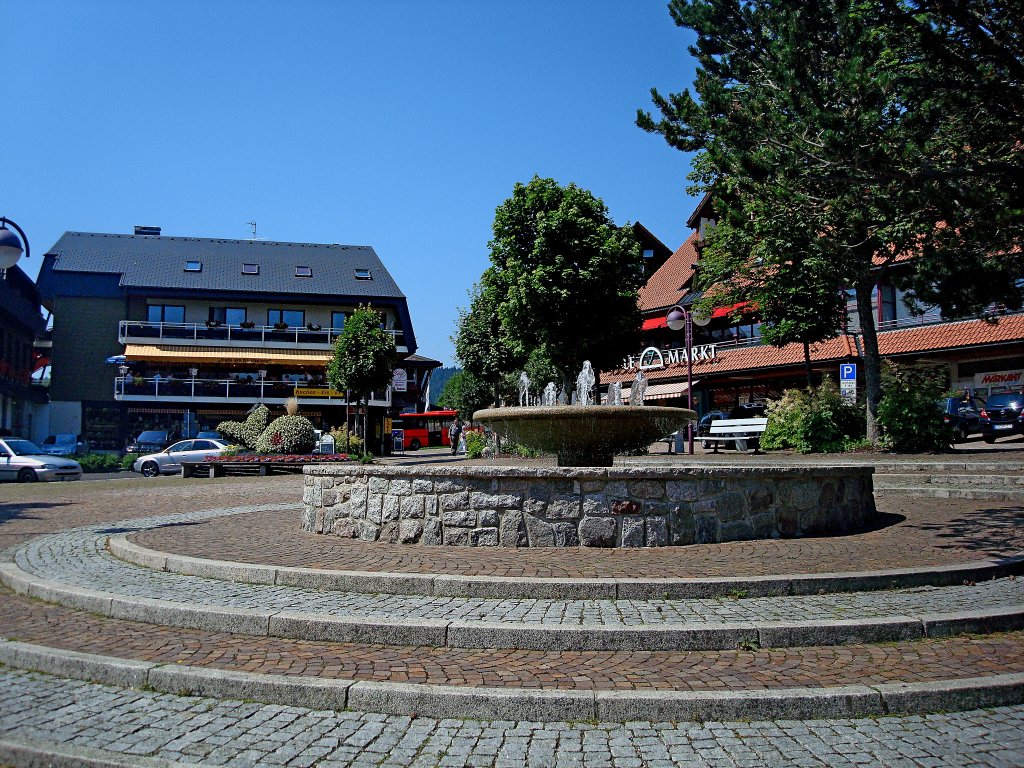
{"type": "Point", "coordinates": [414, 444]}
{"type": "Point", "coordinates": [150, 469]}
{"type": "Point", "coordinates": [27, 476]}
{"type": "Point", "coordinates": [990, 439]}
{"type": "Point", "coordinates": [962, 434]}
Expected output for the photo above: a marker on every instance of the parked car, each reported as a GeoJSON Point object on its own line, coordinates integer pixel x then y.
{"type": "Point", "coordinates": [150, 441]}
{"type": "Point", "coordinates": [962, 415]}
{"type": "Point", "coordinates": [168, 461]}
{"type": "Point", "coordinates": [24, 461]}
{"type": "Point", "coordinates": [64, 445]}
{"type": "Point", "coordinates": [748, 411]}
{"type": "Point", "coordinates": [1002, 415]}
{"type": "Point", "coordinates": [210, 435]}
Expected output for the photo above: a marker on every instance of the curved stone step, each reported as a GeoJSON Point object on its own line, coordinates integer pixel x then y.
{"type": "Point", "coordinates": [931, 491]}
{"type": "Point", "coordinates": [73, 568]}
{"type": "Point", "coordinates": [444, 585]}
{"type": "Point", "coordinates": [105, 730]}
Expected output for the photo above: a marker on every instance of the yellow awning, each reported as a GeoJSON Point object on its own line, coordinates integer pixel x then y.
{"type": "Point", "coordinates": [176, 353]}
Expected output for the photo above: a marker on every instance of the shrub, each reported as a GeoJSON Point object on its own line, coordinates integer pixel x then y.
{"type": "Point", "coordinates": [907, 413]}
{"type": "Point", "coordinates": [287, 434]}
{"type": "Point", "coordinates": [821, 421]}
{"type": "Point", "coordinates": [128, 460]}
{"type": "Point", "coordinates": [475, 444]}
{"type": "Point", "coordinates": [355, 443]}
{"type": "Point", "coordinates": [102, 462]}
{"type": "Point", "coordinates": [246, 432]}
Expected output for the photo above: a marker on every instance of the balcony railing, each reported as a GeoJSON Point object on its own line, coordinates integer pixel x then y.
{"type": "Point", "coordinates": [200, 334]}
{"type": "Point", "coordinates": [160, 388]}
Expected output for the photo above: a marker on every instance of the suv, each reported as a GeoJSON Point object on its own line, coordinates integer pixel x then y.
{"type": "Point", "coordinates": [150, 441]}
{"type": "Point", "coordinates": [962, 415]}
{"type": "Point", "coordinates": [1003, 415]}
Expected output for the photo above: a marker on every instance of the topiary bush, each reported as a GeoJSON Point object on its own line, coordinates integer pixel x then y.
{"type": "Point", "coordinates": [822, 421]}
{"type": "Point", "coordinates": [247, 432]}
{"type": "Point", "coordinates": [908, 414]}
{"type": "Point", "coordinates": [287, 434]}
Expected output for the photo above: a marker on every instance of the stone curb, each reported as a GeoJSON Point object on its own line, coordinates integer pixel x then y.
{"type": "Point", "coordinates": [373, 582]}
{"type": "Point", "coordinates": [483, 634]}
{"type": "Point", "coordinates": [31, 753]}
{"type": "Point", "coordinates": [439, 701]}
{"type": "Point", "coordinates": [950, 492]}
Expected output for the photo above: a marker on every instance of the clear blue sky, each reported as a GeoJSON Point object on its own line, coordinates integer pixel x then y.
{"type": "Point", "coordinates": [400, 125]}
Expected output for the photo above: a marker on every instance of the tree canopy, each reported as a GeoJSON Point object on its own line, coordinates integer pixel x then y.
{"type": "Point", "coordinates": [564, 278]}
{"type": "Point", "coordinates": [834, 155]}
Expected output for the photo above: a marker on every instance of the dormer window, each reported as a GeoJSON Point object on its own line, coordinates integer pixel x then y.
{"type": "Point", "coordinates": [648, 253]}
{"type": "Point", "coordinates": [363, 274]}
{"type": "Point", "coordinates": [303, 271]}
{"type": "Point", "coordinates": [193, 266]}
{"type": "Point", "coordinates": [250, 269]}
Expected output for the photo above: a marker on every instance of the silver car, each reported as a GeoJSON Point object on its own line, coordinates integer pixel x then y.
{"type": "Point", "coordinates": [168, 461]}
{"type": "Point", "coordinates": [24, 461]}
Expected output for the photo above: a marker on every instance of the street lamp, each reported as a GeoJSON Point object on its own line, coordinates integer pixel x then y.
{"type": "Point", "coordinates": [123, 370]}
{"type": "Point", "coordinates": [10, 245]}
{"type": "Point", "coordinates": [263, 374]}
{"type": "Point", "coordinates": [677, 319]}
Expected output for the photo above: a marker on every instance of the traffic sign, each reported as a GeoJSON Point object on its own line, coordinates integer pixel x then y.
{"type": "Point", "coordinates": [848, 372]}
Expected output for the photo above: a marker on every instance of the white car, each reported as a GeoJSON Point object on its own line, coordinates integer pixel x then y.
{"type": "Point", "coordinates": [168, 461]}
{"type": "Point", "coordinates": [24, 461]}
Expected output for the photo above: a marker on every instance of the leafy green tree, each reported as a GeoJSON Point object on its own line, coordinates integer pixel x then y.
{"type": "Point", "coordinates": [566, 278]}
{"type": "Point", "coordinates": [821, 115]}
{"type": "Point", "coordinates": [364, 357]}
{"type": "Point", "coordinates": [911, 422]}
{"type": "Point", "coordinates": [465, 393]}
{"type": "Point", "coordinates": [481, 346]}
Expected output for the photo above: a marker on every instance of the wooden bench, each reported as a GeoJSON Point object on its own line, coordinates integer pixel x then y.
{"type": "Point", "coordinates": [739, 431]}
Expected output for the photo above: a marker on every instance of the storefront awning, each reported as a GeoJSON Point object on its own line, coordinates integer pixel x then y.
{"type": "Point", "coordinates": [745, 307]}
{"type": "Point", "coordinates": [655, 322]}
{"type": "Point", "coordinates": [664, 391]}
{"type": "Point", "coordinates": [174, 353]}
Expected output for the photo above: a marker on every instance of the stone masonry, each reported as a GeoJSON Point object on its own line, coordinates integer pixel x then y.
{"type": "Point", "coordinates": [587, 506]}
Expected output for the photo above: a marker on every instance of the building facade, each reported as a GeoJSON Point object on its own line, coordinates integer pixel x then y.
{"type": "Point", "coordinates": [180, 333]}
{"type": "Point", "coordinates": [730, 365]}
{"type": "Point", "coordinates": [21, 327]}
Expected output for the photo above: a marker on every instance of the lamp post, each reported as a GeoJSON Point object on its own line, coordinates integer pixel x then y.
{"type": "Point", "coordinates": [193, 372]}
{"type": "Point", "coordinates": [123, 369]}
{"type": "Point", "coordinates": [677, 319]}
{"type": "Point", "coordinates": [10, 245]}
{"type": "Point", "coordinates": [263, 374]}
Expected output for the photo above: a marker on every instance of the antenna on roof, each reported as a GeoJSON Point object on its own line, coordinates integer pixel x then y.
{"type": "Point", "coordinates": [253, 225]}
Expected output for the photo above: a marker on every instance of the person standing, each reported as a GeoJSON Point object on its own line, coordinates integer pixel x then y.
{"type": "Point", "coordinates": [454, 433]}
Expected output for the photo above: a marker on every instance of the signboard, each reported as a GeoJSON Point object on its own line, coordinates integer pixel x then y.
{"type": "Point", "coordinates": [397, 440]}
{"type": "Point", "coordinates": [388, 424]}
{"type": "Point", "coordinates": [848, 381]}
{"type": "Point", "coordinates": [1003, 380]}
{"type": "Point", "coordinates": [399, 380]}
{"type": "Point", "coordinates": [653, 358]}
{"type": "Point", "coordinates": [318, 392]}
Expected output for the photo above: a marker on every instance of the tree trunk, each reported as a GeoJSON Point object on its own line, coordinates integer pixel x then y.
{"type": "Point", "coordinates": [872, 360]}
{"type": "Point", "coordinates": [807, 366]}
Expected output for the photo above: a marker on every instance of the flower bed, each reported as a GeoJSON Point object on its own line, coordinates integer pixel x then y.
{"type": "Point", "coordinates": [305, 458]}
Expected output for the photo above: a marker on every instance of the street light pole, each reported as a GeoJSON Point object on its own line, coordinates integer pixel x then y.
{"type": "Point", "coordinates": [678, 318]}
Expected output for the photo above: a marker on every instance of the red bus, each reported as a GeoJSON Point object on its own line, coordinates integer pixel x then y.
{"type": "Point", "coordinates": [429, 428]}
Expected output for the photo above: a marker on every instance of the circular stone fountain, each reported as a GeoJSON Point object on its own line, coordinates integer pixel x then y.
{"type": "Point", "coordinates": [585, 435]}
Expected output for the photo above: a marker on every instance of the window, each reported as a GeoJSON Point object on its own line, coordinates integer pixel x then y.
{"type": "Point", "coordinates": [338, 320]}
{"type": "Point", "coordinates": [303, 271]}
{"type": "Point", "coordinates": [648, 253]}
{"type": "Point", "coordinates": [887, 303]}
{"type": "Point", "coordinates": [250, 269]}
{"type": "Point", "coordinates": [165, 313]}
{"type": "Point", "coordinates": [293, 318]}
{"type": "Point", "coordinates": [227, 315]}
{"type": "Point", "coordinates": [193, 266]}
{"type": "Point", "coordinates": [363, 274]}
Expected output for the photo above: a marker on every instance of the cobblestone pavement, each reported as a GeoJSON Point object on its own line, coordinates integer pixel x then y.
{"type": "Point", "coordinates": [913, 661]}
{"type": "Point", "coordinates": [198, 730]}
{"type": "Point", "coordinates": [912, 533]}
{"type": "Point", "coordinates": [78, 557]}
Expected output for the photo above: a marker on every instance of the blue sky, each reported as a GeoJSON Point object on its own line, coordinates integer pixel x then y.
{"type": "Point", "coordinates": [400, 125]}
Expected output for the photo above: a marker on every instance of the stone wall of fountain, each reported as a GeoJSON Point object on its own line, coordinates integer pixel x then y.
{"type": "Point", "coordinates": [583, 506]}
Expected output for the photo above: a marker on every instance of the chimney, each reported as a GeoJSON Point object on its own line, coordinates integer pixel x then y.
{"type": "Point", "coordinates": [155, 231]}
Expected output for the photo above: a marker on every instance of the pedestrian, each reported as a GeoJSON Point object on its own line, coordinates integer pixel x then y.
{"type": "Point", "coordinates": [454, 433]}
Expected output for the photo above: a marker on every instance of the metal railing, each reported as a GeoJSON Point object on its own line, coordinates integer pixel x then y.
{"type": "Point", "coordinates": [259, 335]}
{"type": "Point", "coordinates": [207, 390]}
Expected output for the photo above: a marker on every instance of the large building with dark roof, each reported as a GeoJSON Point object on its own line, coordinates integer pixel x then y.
{"type": "Point", "coordinates": [179, 333]}
{"type": "Point", "coordinates": [21, 330]}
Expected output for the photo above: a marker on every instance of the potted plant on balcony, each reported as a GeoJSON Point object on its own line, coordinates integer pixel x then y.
{"type": "Point", "coordinates": [248, 323]}
{"type": "Point", "coordinates": [280, 326]}
{"type": "Point", "coordinates": [312, 326]}
{"type": "Point", "coordinates": [213, 323]}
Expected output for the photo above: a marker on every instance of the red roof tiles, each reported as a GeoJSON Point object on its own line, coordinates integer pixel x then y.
{"type": "Point", "coordinates": [666, 286]}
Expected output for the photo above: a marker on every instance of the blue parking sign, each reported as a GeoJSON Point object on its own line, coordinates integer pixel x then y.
{"type": "Point", "coordinates": [848, 372]}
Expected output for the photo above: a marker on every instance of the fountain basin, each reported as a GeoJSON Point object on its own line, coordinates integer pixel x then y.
{"type": "Point", "coordinates": [585, 436]}
{"type": "Point", "coordinates": [585, 506]}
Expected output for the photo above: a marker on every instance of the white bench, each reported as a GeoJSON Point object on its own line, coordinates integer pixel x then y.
{"type": "Point", "coordinates": [738, 431]}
